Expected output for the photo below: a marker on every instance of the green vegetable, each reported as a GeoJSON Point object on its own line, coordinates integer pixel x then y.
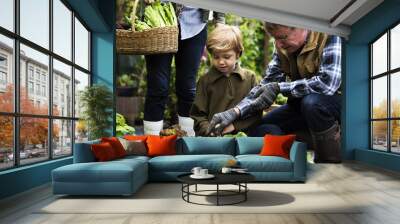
{"type": "Point", "coordinates": [157, 15]}
{"type": "Point", "coordinates": [123, 128]}
{"type": "Point", "coordinates": [140, 25]}
{"type": "Point", "coordinates": [152, 16]}
{"type": "Point", "coordinates": [280, 99]}
{"type": "Point", "coordinates": [238, 135]}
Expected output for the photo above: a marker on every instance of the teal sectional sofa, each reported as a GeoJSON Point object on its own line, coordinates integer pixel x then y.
{"type": "Point", "coordinates": [125, 176]}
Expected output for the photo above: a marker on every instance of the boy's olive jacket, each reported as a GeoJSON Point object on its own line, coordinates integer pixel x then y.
{"type": "Point", "coordinates": [217, 92]}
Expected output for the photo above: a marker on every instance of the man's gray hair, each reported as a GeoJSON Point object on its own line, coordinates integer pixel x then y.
{"type": "Point", "coordinates": [270, 27]}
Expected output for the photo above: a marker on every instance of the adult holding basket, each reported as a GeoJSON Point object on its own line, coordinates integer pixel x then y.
{"type": "Point", "coordinates": [192, 24]}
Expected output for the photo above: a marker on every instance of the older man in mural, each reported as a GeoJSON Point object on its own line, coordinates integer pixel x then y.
{"type": "Point", "coordinates": [305, 67]}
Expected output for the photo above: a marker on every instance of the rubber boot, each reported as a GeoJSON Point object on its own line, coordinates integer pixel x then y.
{"type": "Point", "coordinates": [152, 127]}
{"type": "Point", "coordinates": [186, 124]}
{"type": "Point", "coordinates": [327, 145]}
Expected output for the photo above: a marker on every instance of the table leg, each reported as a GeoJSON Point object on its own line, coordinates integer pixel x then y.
{"type": "Point", "coordinates": [217, 194]}
{"type": "Point", "coordinates": [196, 188]}
{"type": "Point", "coordinates": [245, 191]}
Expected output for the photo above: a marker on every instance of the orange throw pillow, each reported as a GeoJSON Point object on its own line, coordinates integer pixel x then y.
{"type": "Point", "coordinates": [116, 145]}
{"type": "Point", "coordinates": [103, 151]}
{"type": "Point", "coordinates": [277, 145]}
{"type": "Point", "coordinates": [136, 137]}
{"type": "Point", "coordinates": [161, 145]}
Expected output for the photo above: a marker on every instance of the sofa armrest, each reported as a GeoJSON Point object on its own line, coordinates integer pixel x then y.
{"type": "Point", "coordinates": [83, 152]}
{"type": "Point", "coordinates": [298, 153]}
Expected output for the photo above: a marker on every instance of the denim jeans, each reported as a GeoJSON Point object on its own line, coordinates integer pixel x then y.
{"type": "Point", "coordinates": [187, 62]}
{"type": "Point", "coordinates": [314, 112]}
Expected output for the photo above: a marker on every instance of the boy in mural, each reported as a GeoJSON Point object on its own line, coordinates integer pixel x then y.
{"type": "Point", "coordinates": [305, 67]}
{"type": "Point", "coordinates": [225, 84]}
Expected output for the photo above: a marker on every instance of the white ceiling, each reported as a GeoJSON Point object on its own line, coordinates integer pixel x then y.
{"type": "Point", "coordinates": [320, 15]}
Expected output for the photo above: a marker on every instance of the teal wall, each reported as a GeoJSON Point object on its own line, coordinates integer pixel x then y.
{"type": "Point", "coordinates": [355, 124]}
{"type": "Point", "coordinates": [99, 16]}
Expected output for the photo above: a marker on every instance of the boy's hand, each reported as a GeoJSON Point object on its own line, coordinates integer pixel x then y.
{"type": "Point", "coordinates": [222, 120]}
{"type": "Point", "coordinates": [230, 128]}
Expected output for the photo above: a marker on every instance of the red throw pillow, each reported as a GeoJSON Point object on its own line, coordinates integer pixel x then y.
{"type": "Point", "coordinates": [103, 151]}
{"type": "Point", "coordinates": [161, 145]}
{"type": "Point", "coordinates": [116, 145]}
{"type": "Point", "coordinates": [277, 145]}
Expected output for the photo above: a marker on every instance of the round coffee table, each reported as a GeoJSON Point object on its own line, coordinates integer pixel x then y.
{"type": "Point", "coordinates": [238, 179]}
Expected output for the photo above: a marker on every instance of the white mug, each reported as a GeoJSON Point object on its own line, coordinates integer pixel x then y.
{"type": "Point", "coordinates": [226, 170]}
{"type": "Point", "coordinates": [196, 170]}
{"type": "Point", "coordinates": [203, 172]}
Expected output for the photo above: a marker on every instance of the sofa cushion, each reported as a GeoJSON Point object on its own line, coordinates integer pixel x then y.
{"type": "Point", "coordinates": [103, 152]}
{"type": "Point", "coordinates": [134, 147]}
{"type": "Point", "coordinates": [97, 172]}
{"type": "Point", "coordinates": [161, 145]}
{"type": "Point", "coordinates": [257, 163]}
{"type": "Point", "coordinates": [277, 145]}
{"type": "Point", "coordinates": [249, 145]}
{"type": "Point", "coordinates": [185, 163]}
{"type": "Point", "coordinates": [206, 145]}
{"type": "Point", "coordinates": [116, 145]}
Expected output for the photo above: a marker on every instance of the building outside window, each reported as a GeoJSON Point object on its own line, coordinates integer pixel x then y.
{"type": "Point", "coordinates": [385, 95]}
{"type": "Point", "coordinates": [34, 71]}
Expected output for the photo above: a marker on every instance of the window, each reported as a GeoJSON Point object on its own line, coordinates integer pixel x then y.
{"type": "Point", "coordinates": [3, 78]}
{"type": "Point", "coordinates": [44, 91]}
{"type": "Point", "coordinates": [7, 14]}
{"type": "Point", "coordinates": [3, 71]}
{"type": "Point", "coordinates": [81, 45]}
{"type": "Point", "coordinates": [37, 74]}
{"type": "Point", "coordinates": [30, 87]}
{"type": "Point", "coordinates": [3, 61]}
{"type": "Point", "coordinates": [38, 89]}
{"type": "Point", "coordinates": [6, 73]}
{"type": "Point", "coordinates": [32, 14]}
{"type": "Point", "coordinates": [385, 96]}
{"type": "Point", "coordinates": [54, 126]}
{"type": "Point", "coordinates": [30, 72]}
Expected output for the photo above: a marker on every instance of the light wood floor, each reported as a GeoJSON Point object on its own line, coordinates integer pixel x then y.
{"type": "Point", "coordinates": [377, 188]}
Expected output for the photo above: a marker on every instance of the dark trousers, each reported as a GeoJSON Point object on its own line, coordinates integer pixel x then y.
{"type": "Point", "coordinates": [187, 62]}
{"type": "Point", "coordinates": [314, 112]}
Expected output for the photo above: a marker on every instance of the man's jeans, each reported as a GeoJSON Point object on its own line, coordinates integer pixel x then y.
{"type": "Point", "coordinates": [187, 62]}
{"type": "Point", "coordinates": [313, 112]}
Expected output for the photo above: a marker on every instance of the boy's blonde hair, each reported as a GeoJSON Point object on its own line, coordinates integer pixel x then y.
{"type": "Point", "coordinates": [224, 38]}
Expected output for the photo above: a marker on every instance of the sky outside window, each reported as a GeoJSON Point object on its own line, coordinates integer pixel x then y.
{"type": "Point", "coordinates": [7, 14]}
{"type": "Point", "coordinates": [62, 29]}
{"type": "Point", "coordinates": [379, 56]}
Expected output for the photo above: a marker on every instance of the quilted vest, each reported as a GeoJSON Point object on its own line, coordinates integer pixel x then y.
{"type": "Point", "coordinates": [307, 62]}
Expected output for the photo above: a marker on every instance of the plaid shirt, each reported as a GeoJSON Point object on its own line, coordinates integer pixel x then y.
{"type": "Point", "coordinates": [327, 81]}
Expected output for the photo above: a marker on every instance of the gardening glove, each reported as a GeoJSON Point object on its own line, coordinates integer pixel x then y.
{"type": "Point", "coordinates": [220, 121]}
{"type": "Point", "coordinates": [265, 96]}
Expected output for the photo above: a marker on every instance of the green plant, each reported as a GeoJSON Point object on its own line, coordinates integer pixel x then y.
{"type": "Point", "coordinates": [126, 80]}
{"type": "Point", "coordinates": [96, 102]}
{"type": "Point", "coordinates": [122, 127]}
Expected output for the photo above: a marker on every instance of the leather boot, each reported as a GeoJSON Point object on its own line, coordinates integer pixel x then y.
{"type": "Point", "coordinates": [327, 145]}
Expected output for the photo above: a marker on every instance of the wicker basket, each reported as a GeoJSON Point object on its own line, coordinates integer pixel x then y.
{"type": "Point", "coordinates": [152, 41]}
